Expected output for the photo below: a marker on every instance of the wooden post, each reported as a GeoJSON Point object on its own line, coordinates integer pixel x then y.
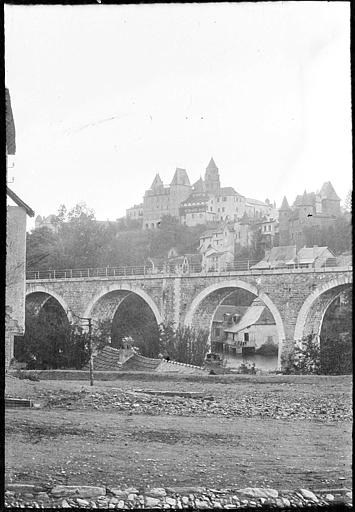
{"type": "Point", "coordinates": [91, 360]}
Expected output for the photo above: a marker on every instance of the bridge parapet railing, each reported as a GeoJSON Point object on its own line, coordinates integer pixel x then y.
{"type": "Point", "coordinates": [170, 269]}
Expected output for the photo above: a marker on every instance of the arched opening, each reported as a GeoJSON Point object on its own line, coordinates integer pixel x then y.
{"type": "Point", "coordinates": [252, 329]}
{"type": "Point", "coordinates": [127, 313]}
{"type": "Point", "coordinates": [326, 315]}
{"type": "Point", "coordinates": [336, 335]}
{"type": "Point", "coordinates": [47, 340]}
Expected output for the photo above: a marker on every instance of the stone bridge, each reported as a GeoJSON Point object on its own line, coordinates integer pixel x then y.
{"type": "Point", "coordinates": [297, 298]}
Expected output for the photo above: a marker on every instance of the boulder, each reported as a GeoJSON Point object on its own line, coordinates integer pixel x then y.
{"type": "Point", "coordinates": [81, 491]}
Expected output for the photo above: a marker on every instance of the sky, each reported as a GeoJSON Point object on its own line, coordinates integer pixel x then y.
{"type": "Point", "coordinates": [104, 97]}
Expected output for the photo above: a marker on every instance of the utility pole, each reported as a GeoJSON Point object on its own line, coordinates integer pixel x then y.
{"type": "Point", "coordinates": [91, 360]}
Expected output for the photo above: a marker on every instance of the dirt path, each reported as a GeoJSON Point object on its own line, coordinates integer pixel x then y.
{"type": "Point", "coordinates": [94, 447]}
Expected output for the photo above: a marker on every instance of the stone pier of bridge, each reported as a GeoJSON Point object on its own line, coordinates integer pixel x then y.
{"type": "Point", "coordinates": [297, 298]}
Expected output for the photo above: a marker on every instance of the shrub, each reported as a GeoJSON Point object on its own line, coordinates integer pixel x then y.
{"type": "Point", "coordinates": [304, 358]}
{"type": "Point", "coordinates": [184, 344]}
{"type": "Point", "coordinates": [28, 376]}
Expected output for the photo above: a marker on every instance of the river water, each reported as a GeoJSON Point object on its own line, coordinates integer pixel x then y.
{"type": "Point", "coordinates": [265, 363]}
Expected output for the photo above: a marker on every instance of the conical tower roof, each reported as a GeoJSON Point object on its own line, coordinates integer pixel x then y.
{"type": "Point", "coordinates": [199, 186]}
{"type": "Point", "coordinates": [212, 166]}
{"type": "Point", "coordinates": [327, 191]}
{"type": "Point", "coordinates": [157, 182]}
{"type": "Point", "coordinates": [285, 205]}
{"type": "Point", "coordinates": [180, 177]}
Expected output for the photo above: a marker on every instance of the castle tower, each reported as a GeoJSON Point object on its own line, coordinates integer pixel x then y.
{"type": "Point", "coordinates": [212, 182]}
{"type": "Point", "coordinates": [180, 189]}
{"type": "Point", "coordinates": [329, 199]}
{"type": "Point", "coordinates": [284, 216]}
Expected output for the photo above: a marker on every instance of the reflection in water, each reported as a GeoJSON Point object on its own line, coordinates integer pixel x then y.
{"type": "Point", "coordinates": [261, 362]}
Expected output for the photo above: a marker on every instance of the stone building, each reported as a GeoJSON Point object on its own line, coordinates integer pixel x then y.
{"type": "Point", "coordinates": [15, 284]}
{"type": "Point", "coordinates": [135, 212]}
{"type": "Point", "coordinates": [229, 205]}
{"type": "Point", "coordinates": [198, 207]}
{"type": "Point", "coordinates": [162, 200]}
{"type": "Point", "coordinates": [225, 316]}
{"type": "Point", "coordinates": [255, 328]}
{"type": "Point", "coordinates": [258, 209]}
{"type": "Point", "coordinates": [309, 210]}
{"type": "Point", "coordinates": [217, 248]}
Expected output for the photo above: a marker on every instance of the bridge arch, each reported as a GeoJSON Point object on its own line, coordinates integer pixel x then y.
{"type": "Point", "coordinates": [105, 303]}
{"type": "Point", "coordinates": [311, 314]}
{"type": "Point", "coordinates": [205, 304]}
{"type": "Point", "coordinates": [40, 296]}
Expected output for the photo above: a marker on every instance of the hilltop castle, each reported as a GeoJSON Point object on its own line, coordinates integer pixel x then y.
{"type": "Point", "coordinates": [204, 201]}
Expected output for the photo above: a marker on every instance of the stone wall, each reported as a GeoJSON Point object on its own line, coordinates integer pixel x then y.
{"type": "Point", "coordinates": [15, 277]}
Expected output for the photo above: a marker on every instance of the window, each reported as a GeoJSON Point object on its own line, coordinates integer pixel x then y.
{"type": "Point", "coordinates": [224, 199]}
{"type": "Point", "coordinates": [219, 209]}
{"type": "Point", "coordinates": [246, 336]}
{"type": "Point", "coordinates": [223, 209]}
{"type": "Point", "coordinates": [217, 332]}
{"type": "Point", "coordinates": [217, 199]}
{"type": "Point", "coordinates": [211, 209]}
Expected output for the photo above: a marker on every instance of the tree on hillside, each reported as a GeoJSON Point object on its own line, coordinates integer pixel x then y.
{"type": "Point", "coordinates": [337, 237]}
{"type": "Point", "coordinates": [41, 247]}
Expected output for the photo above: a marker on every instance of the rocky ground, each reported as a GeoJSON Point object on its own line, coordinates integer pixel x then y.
{"type": "Point", "coordinates": [327, 401]}
{"type": "Point", "coordinates": [172, 497]}
{"type": "Point", "coordinates": [180, 444]}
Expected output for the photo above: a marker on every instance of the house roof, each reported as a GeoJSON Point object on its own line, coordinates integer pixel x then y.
{"type": "Point", "coordinates": [250, 317]}
{"type": "Point", "coordinates": [306, 199]}
{"type": "Point", "coordinates": [107, 359]}
{"type": "Point", "coordinates": [216, 250]}
{"type": "Point", "coordinates": [327, 191]}
{"type": "Point", "coordinates": [251, 201]}
{"type": "Point", "coordinates": [19, 202]}
{"type": "Point", "coordinates": [227, 191]}
{"type": "Point", "coordinates": [180, 177]}
{"type": "Point", "coordinates": [310, 254]}
{"type": "Point", "coordinates": [10, 126]}
{"type": "Point", "coordinates": [228, 310]}
{"type": "Point", "coordinates": [277, 257]}
{"type": "Point", "coordinates": [194, 198]}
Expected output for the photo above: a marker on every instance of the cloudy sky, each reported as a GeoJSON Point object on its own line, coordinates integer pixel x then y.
{"type": "Point", "coordinates": [104, 97]}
